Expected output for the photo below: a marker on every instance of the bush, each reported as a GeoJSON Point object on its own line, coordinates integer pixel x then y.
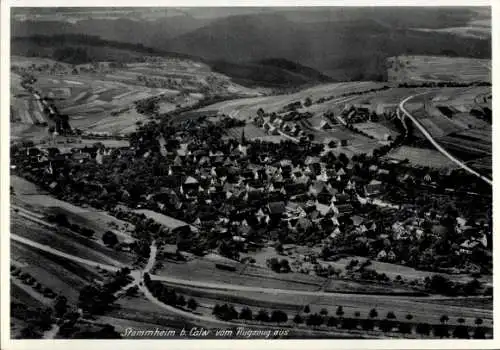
{"type": "Point", "coordinates": [423, 329]}
{"type": "Point", "coordinates": [262, 316]}
{"type": "Point", "coordinates": [298, 319]}
{"type": "Point", "coordinates": [367, 324]}
{"type": "Point", "coordinates": [246, 314]}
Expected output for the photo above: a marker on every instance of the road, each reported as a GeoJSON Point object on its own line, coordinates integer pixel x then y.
{"type": "Point", "coordinates": [436, 144]}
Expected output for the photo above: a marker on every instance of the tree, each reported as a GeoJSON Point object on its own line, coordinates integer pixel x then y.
{"type": "Point", "coordinates": [307, 102]}
{"type": "Point", "coordinates": [373, 313]}
{"type": "Point", "coordinates": [423, 329]}
{"type": "Point", "coordinates": [246, 314]}
{"type": "Point", "coordinates": [279, 316]}
{"type": "Point", "coordinates": [181, 301]}
{"type": "Point", "coordinates": [109, 239]}
{"type": "Point", "coordinates": [357, 314]}
{"type": "Point", "coordinates": [444, 319]}
{"type": "Point", "coordinates": [60, 305]}
{"type": "Point", "coordinates": [30, 333]}
{"type": "Point", "coordinates": [192, 304]}
{"type": "Point", "coordinates": [298, 319]}
{"type": "Point", "coordinates": [478, 321]}
{"type": "Point", "coordinates": [323, 312]}
{"type": "Point", "coordinates": [307, 309]}
{"type": "Point", "coordinates": [386, 325]}
{"type": "Point", "coordinates": [461, 330]}
{"type": "Point", "coordinates": [479, 333]}
{"type": "Point", "coordinates": [279, 248]}
{"type": "Point", "coordinates": [314, 320]}
{"type": "Point", "coordinates": [340, 311]}
{"type": "Point", "coordinates": [441, 330]}
{"type": "Point", "coordinates": [404, 327]}
{"type": "Point", "coordinates": [332, 321]}
{"type": "Point", "coordinates": [391, 315]}
{"type": "Point", "coordinates": [367, 324]}
{"type": "Point", "coordinates": [409, 317]}
{"type": "Point", "coordinates": [262, 316]}
{"type": "Point", "coordinates": [132, 291]}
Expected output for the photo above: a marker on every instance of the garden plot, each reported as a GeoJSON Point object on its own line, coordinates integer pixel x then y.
{"type": "Point", "coordinates": [422, 157]}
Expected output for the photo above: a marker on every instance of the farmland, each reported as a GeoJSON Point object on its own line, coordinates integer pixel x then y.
{"type": "Point", "coordinates": [447, 116]}
{"type": "Point", "coordinates": [58, 274]}
{"type": "Point", "coordinates": [437, 68]}
{"type": "Point", "coordinates": [70, 243]}
{"type": "Point", "coordinates": [423, 309]}
{"type": "Point", "coordinates": [421, 157]}
{"type": "Point", "coordinates": [100, 97]}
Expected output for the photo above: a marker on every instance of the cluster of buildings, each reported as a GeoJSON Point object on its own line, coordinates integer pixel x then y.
{"type": "Point", "coordinates": [244, 192]}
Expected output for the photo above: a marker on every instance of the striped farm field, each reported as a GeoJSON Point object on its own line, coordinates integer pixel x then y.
{"type": "Point", "coordinates": [438, 68]}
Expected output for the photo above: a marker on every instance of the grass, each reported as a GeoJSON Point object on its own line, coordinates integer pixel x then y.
{"type": "Point", "coordinates": [68, 243]}
{"type": "Point", "coordinates": [62, 276]}
{"type": "Point", "coordinates": [24, 187]}
{"type": "Point", "coordinates": [205, 271]}
{"type": "Point", "coordinates": [421, 157]}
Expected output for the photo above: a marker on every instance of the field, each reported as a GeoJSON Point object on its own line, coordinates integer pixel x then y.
{"type": "Point", "coordinates": [423, 309]}
{"type": "Point", "coordinates": [422, 157]}
{"type": "Point", "coordinates": [445, 113]}
{"type": "Point", "coordinates": [22, 186]}
{"type": "Point", "coordinates": [62, 276]}
{"type": "Point", "coordinates": [203, 270]}
{"type": "Point", "coordinates": [101, 98]}
{"type": "Point", "coordinates": [164, 220]}
{"type": "Point", "coordinates": [376, 130]}
{"type": "Point", "coordinates": [251, 132]}
{"type": "Point", "coordinates": [437, 68]}
{"type": "Point", "coordinates": [69, 243]}
{"type": "Point", "coordinates": [31, 197]}
{"type": "Point", "coordinates": [246, 108]}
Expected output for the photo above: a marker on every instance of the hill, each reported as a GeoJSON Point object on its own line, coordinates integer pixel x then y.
{"type": "Point", "coordinates": [343, 50]}
{"type": "Point", "coordinates": [343, 43]}
{"type": "Point", "coordinates": [277, 72]}
{"type": "Point", "coordinates": [79, 49]}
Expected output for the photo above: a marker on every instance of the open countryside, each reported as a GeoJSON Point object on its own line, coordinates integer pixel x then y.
{"type": "Point", "coordinates": [163, 186]}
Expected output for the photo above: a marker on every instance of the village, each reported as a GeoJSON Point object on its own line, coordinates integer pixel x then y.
{"type": "Point", "coordinates": [236, 196]}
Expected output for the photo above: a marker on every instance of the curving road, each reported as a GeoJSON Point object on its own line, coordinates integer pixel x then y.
{"type": "Point", "coordinates": [437, 145]}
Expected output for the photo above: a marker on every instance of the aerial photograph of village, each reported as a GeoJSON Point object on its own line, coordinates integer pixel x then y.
{"type": "Point", "coordinates": [251, 173]}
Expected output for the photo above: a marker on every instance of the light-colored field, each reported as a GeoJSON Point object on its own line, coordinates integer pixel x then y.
{"type": "Point", "coordinates": [438, 68]}
{"type": "Point", "coordinates": [247, 108]}
{"type": "Point", "coordinates": [378, 131]}
{"type": "Point", "coordinates": [90, 98]}
{"type": "Point", "coordinates": [251, 132]}
{"type": "Point", "coordinates": [205, 271]}
{"type": "Point", "coordinates": [423, 309]}
{"type": "Point", "coordinates": [46, 201]}
{"type": "Point", "coordinates": [421, 157]}
{"type": "Point", "coordinates": [22, 186]}
{"type": "Point", "coordinates": [162, 219]}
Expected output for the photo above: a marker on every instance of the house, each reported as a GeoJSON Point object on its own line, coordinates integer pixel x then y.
{"type": "Point", "coordinates": [325, 125]}
{"type": "Point", "coordinates": [342, 203]}
{"type": "Point", "coordinates": [276, 209]}
{"type": "Point", "coordinates": [382, 255]}
{"type": "Point", "coordinates": [357, 220]}
{"type": "Point", "coordinates": [375, 187]}
{"type": "Point", "coordinates": [467, 246]}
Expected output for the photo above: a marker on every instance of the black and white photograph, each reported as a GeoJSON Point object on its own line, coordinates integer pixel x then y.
{"type": "Point", "coordinates": [249, 173]}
